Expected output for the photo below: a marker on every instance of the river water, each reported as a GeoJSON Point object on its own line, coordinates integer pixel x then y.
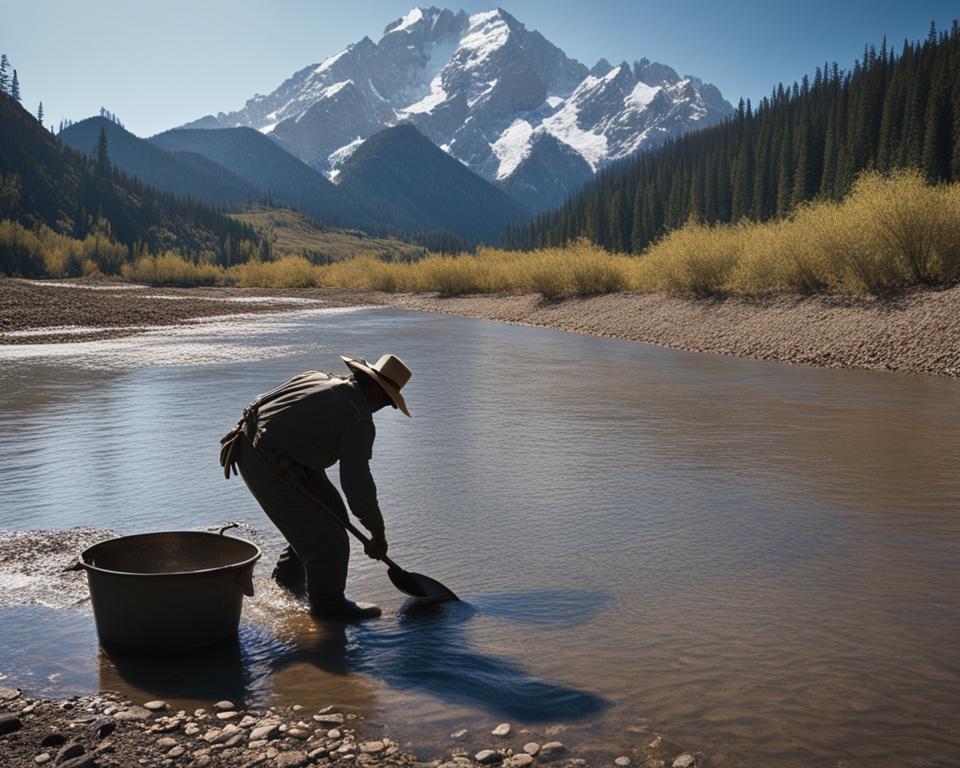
{"type": "Point", "coordinates": [759, 561]}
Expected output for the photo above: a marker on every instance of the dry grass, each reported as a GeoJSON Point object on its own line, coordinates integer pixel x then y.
{"type": "Point", "coordinates": [890, 233]}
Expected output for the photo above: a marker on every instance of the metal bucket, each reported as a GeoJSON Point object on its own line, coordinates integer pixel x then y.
{"type": "Point", "coordinates": [172, 591]}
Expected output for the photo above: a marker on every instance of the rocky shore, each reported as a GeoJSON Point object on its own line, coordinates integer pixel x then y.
{"type": "Point", "coordinates": [108, 731]}
{"type": "Point", "coordinates": [917, 333]}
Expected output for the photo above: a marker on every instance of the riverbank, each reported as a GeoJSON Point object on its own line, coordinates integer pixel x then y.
{"type": "Point", "coordinates": [916, 333]}
{"type": "Point", "coordinates": [108, 731]}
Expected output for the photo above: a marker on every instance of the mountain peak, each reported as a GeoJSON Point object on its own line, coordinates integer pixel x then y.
{"type": "Point", "coordinates": [483, 88]}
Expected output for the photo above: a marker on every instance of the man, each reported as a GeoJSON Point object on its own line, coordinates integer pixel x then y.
{"type": "Point", "coordinates": [293, 433]}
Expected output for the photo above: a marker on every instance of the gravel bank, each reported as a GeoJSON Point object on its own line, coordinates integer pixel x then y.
{"type": "Point", "coordinates": [918, 333]}
{"type": "Point", "coordinates": [107, 731]}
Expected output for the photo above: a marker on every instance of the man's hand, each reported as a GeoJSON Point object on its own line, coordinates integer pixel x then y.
{"type": "Point", "coordinates": [376, 547]}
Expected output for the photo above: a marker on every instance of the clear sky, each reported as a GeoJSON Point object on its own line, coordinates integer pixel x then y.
{"type": "Point", "coordinates": [159, 64]}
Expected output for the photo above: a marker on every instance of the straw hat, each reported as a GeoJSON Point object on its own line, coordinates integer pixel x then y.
{"type": "Point", "coordinates": [389, 372]}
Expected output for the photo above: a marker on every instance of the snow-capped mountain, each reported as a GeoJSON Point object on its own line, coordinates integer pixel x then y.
{"type": "Point", "coordinates": [498, 97]}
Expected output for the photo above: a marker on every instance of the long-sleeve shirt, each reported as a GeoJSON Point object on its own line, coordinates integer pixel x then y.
{"type": "Point", "coordinates": [317, 419]}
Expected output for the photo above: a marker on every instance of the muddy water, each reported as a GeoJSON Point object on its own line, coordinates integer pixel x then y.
{"type": "Point", "coordinates": [761, 561]}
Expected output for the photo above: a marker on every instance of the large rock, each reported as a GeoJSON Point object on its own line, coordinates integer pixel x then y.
{"type": "Point", "coordinates": [487, 757]}
{"type": "Point", "coordinates": [265, 731]}
{"type": "Point", "coordinates": [9, 724]}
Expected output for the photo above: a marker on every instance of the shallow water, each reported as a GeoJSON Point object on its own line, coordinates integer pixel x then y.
{"type": "Point", "coordinates": [759, 560]}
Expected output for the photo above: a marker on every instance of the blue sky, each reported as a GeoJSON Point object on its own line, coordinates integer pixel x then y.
{"type": "Point", "coordinates": [160, 64]}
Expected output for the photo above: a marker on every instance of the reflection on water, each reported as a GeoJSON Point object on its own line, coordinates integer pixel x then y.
{"type": "Point", "coordinates": [760, 560]}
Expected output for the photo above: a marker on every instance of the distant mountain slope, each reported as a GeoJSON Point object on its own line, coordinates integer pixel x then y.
{"type": "Point", "coordinates": [266, 166]}
{"type": "Point", "coordinates": [183, 173]}
{"type": "Point", "coordinates": [415, 181]}
{"type": "Point", "coordinates": [64, 189]}
{"type": "Point", "coordinates": [485, 89]}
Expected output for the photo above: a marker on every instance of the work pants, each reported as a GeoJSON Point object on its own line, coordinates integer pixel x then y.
{"type": "Point", "coordinates": [319, 542]}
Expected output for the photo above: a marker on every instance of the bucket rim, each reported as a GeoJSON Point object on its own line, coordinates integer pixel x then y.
{"type": "Point", "coordinates": [257, 554]}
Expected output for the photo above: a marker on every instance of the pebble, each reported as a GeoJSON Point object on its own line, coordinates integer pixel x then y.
{"type": "Point", "coordinates": [81, 761]}
{"type": "Point", "coordinates": [42, 757]}
{"type": "Point", "coordinates": [502, 730]}
{"type": "Point", "coordinates": [531, 748]}
{"type": "Point", "coordinates": [191, 729]}
{"type": "Point", "coordinates": [166, 742]}
{"type": "Point", "coordinates": [684, 761]}
{"type": "Point", "coordinates": [317, 753]}
{"type": "Point", "coordinates": [9, 724]}
{"type": "Point", "coordinates": [67, 751]}
{"type": "Point", "coordinates": [521, 760]}
{"type": "Point", "coordinates": [487, 756]}
{"type": "Point", "coordinates": [329, 718]}
{"type": "Point", "coordinates": [291, 759]}
{"type": "Point", "coordinates": [551, 749]}
{"type": "Point", "coordinates": [247, 721]}
{"type": "Point", "coordinates": [132, 713]}
{"type": "Point", "coordinates": [177, 751]}
{"type": "Point", "coordinates": [623, 761]}
{"type": "Point", "coordinates": [457, 735]}
{"type": "Point", "coordinates": [256, 744]}
{"type": "Point", "coordinates": [265, 731]}
{"type": "Point", "coordinates": [372, 747]}
{"type": "Point", "coordinates": [655, 744]}
{"type": "Point", "coordinates": [155, 706]}
{"type": "Point", "coordinates": [9, 694]}
{"type": "Point", "coordinates": [54, 739]}
{"type": "Point", "coordinates": [224, 705]}
{"type": "Point", "coordinates": [229, 715]}
{"type": "Point", "coordinates": [333, 733]}
{"type": "Point", "coordinates": [298, 733]}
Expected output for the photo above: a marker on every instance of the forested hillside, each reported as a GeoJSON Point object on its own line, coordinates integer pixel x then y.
{"type": "Point", "coordinates": [804, 142]}
{"type": "Point", "coordinates": [45, 183]}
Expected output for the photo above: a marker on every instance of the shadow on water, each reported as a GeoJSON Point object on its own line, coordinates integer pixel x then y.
{"type": "Point", "coordinates": [426, 649]}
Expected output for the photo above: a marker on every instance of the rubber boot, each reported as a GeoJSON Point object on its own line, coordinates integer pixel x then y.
{"type": "Point", "coordinates": [289, 572]}
{"type": "Point", "coordinates": [344, 610]}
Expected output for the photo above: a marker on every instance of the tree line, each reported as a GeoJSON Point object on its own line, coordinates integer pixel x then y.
{"type": "Point", "coordinates": [804, 142]}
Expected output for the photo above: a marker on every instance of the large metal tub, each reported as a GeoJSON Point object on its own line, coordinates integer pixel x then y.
{"type": "Point", "coordinates": [171, 591]}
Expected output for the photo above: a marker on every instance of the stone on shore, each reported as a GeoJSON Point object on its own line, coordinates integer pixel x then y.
{"type": "Point", "coordinates": [132, 713]}
{"type": "Point", "coordinates": [103, 726]}
{"type": "Point", "coordinates": [9, 694]}
{"type": "Point", "coordinates": [230, 714]}
{"type": "Point", "coordinates": [43, 757]}
{"type": "Point", "coordinates": [684, 761]}
{"type": "Point", "coordinates": [155, 706]}
{"type": "Point", "coordinates": [531, 748]}
{"type": "Point", "coordinates": [329, 718]}
{"type": "Point", "coordinates": [68, 751]}
{"type": "Point", "coordinates": [521, 760]}
{"type": "Point", "coordinates": [461, 734]}
{"type": "Point", "coordinates": [9, 724]}
{"type": "Point", "coordinates": [55, 739]}
{"type": "Point", "coordinates": [623, 761]}
{"type": "Point", "coordinates": [291, 759]}
{"type": "Point", "coordinates": [265, 731]}
{"type": "Point", "coordinates": [224, 706]}
{"type": "Point", "coordinates": [503, 730]}
{"type": "Point", "coordinates": [487, 757]}
{"type": "Point", "coordinates": [552, 750]}
{"type": "Point", "coordinates": [372, 747]}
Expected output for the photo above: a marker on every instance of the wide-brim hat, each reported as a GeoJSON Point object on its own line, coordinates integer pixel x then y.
{"type": "Point", "coordinates": [390, 372]}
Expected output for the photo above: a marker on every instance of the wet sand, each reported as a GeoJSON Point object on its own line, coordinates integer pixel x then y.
{"type": "Point", "coordinates": [917, 333]}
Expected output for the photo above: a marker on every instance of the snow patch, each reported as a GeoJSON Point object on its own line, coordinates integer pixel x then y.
{"type": "Point", "coordinates": [641, 96]}
{"type": "Point", "coordinates": [563, 126]}
{"type": "Point", "coordinates": [512, 147]}
{"type": "Point", "coordinates": [374, 89]}
{"type": "Point", "coordinates": [268, 128]}
{"type": "Point", "coordinates": [329, 62]}
{"type": "Point", "coordinates": [487, 33]}
{"type": "Point", "coordinates": [339, 156]}
{"type": "Point", "coordinates": [486, 92]}
{"type": "Point", "coordinates": [554, 101]}
{"type": "Point", "coordinates": [428, 103]}
{"type": "Point", "coordinates": [412, 17]}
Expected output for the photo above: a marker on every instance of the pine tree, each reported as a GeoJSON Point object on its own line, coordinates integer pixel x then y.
{"type": "Point", "coordinates": [103, 159]}
{"type": "Point", "coordinates": [15, 86]}
{"type": "Point", "coordinates": [4, 74]}
{"type": "Point", "coordinates": [40, 114]}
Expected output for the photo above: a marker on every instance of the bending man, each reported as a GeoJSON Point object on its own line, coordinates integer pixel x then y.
{"type": "Point", "coordinates": [292, 434]}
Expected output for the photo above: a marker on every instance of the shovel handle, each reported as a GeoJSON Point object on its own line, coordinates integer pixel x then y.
{"type": "Point", "coordinates": [345, 523]}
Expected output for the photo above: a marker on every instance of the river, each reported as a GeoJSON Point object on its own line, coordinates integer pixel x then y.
{"type": "Point", "coordinates": [760, 561]}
